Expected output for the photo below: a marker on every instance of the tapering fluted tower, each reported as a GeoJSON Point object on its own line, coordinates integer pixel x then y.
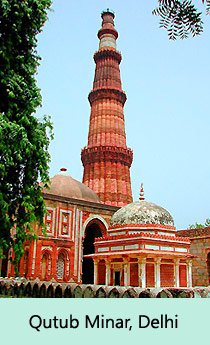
{"type": "Point", "coordinates": [106, 158]}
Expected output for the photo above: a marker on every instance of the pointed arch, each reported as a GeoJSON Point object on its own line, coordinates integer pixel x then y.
{"type": "Point", "coordinates": [95, 226]}
{"type": "Point", "coordinates": [46, 264]}
{"type": "Point", "coordinates": [63, 265]}
{"type": "Point", "coordinates": [97, 219]}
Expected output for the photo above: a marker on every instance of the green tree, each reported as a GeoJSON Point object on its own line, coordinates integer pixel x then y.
{"type": "Point", "coordinates": [180, 17]}
{"type": "Point", "coordinates": [24, 140]}
{"type": "Point", "coordinates": [200, 226]}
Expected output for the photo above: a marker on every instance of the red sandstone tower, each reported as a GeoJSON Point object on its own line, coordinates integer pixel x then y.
{"type": "Point", "coordinates": [106, 158]}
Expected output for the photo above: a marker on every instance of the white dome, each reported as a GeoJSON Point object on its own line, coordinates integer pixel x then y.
{"type": "Point", "coordinates": [142, 212]}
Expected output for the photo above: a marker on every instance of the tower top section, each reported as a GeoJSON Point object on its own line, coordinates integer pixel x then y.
{"type": "Point", "coordinates": [107, 34]}
{"type": "Point", "coordinates": [108, 11]}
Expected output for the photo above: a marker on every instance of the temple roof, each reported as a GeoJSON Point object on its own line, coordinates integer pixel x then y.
{"type": "Point", "coordinates": [142, 212]}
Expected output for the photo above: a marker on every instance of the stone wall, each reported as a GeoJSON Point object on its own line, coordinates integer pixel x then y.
{"type": "Point", "coordinates": [21, 288]}
{"type": "Point", "coordinates": [200, 248]}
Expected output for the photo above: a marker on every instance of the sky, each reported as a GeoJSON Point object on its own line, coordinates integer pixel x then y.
{"type": "Point", "coordinates": [167, 114]}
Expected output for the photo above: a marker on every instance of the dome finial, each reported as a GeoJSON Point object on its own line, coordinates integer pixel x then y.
{"type": "Point", "coordinates": [63, 171]}
{"type": "Point", "coordinates": [142, 193]}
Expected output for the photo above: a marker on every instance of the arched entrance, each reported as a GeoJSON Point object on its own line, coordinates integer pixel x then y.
{"type": "Point", "coordinates": [94, 229]}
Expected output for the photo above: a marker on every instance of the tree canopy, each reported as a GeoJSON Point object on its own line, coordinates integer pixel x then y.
{"type": "Point", "coordinates": [24, 139]}
{"type": "Point", "coordinates": [180, 17]}
{"type": "Point", "coordinates": [199, 225]}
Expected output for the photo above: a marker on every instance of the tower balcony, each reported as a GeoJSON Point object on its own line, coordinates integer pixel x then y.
{"type": "Point", "coordinates": [109, 93]}
{"type": "Point", "coordinates": [107, 154]}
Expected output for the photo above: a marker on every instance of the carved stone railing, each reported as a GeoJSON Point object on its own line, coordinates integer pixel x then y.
{"type": "Point", "coordinates": [22, 288]}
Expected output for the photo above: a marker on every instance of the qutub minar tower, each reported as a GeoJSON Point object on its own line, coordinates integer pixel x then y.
{"type": "Point", "coordinates": [106, 158]}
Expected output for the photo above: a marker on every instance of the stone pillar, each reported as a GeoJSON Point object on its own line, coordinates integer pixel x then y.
{"type": "Point", "coordinates": [129, 272]}
{"type": "Point", "coordinates": [95, 261]}
{"type": "Point", "coordinates": [189, 273]}
{"type": "Point", "coordinates": [142, 272]}
{"type": "Point", "coordinates": [176, 273]}
{"type": "Point", "coordinates": [33, 258]}
{"type": "Point", "coordinates": [108, 270]}
{"type": "Point", "coordinates": [157, 272]}
{"type": "Point", "coordinates": [54, 263]}
{"type": "Point", "coordinates": [126, 272]}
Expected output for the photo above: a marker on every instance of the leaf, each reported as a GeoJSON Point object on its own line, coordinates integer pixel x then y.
{"type": "Point", "coordinates": [180, 18]}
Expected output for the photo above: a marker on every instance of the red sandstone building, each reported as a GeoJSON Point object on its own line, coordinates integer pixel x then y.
{"type": "Point", "coordinates": [95, 233]}
{"type": "Point", "coordinates": [141, 249]}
